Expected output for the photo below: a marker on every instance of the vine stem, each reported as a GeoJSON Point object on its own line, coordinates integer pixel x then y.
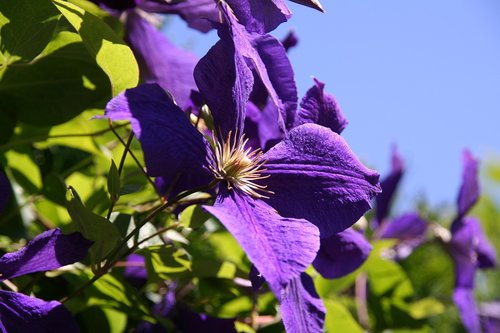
{"type": "Point", "coordinates": [360, 295]}
{"type": "Point", "coordinates": [113, 129]}
{"type": "Point", "coordinates": [120, 169]}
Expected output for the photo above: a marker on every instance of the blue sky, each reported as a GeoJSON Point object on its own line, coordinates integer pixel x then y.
{"type": "Point", "coordinates": [422, 74]}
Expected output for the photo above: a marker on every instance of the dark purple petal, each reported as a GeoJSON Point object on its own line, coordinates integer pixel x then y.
{"type": "Point", "coordinates": [49, 250]}
{"type": "Point", "coordinates": [406, 226]}
{"type": "Point", "coordinates": [252, 120]}
{"type": "Point", "coordinates": [301, 308]}
{"type": "Point", "coordinates": [21, 313]}
{"type": "Point", "coordinates": [314, 175]}
{"type": "Point", "coordinates": [161, 309]}
{"type": "Point", "coordinates": [198, 14]}
{"type": "Point", "coordinates": [290, 40]}
{"type": "Point", "coordinates": [469, 190]}
{"type": "Point", "coordinates": [192, 322]}
{"type": "Point", "coordinates": [173, 148]}
{"type": "Point", "coordinates": [281, 83]}
{"type": "Point", "coordinates": [260, 16]}
{"type": "Point", "coordinates": [319, 108]}
{"type": "Point", "coordinates": [463, 252]}
{"type": "Point", "coordinates": [280, 248]}
{"type": "Point", "coordinates": [341, 254]}
{"type": "Point", "coordinates": [389, 186]}
{"type": "Point", "coordinates": [464, 300]}
{"type": "Point", "coordinates": [486, 255]}
{"type": "Point", "coordinates": [256, 278]}
{"type": "Point", "coordinates": [5, 191]}
{"type": "Point", "coordinates": [225, 81]}
{"type": "Point", "coordinates": [270, 132]}
{"type": "Point", "coordinates": [315, 4]}
{"type": "Point", "coordinates": [159, 60]}
{"type": "Point", "coordinates": [135, 271]}
{"type": "Point", "coordinates": [490, 316]}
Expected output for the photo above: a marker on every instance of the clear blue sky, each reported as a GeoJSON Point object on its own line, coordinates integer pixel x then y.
{"type": "Point", "coordinates": [423, 74]}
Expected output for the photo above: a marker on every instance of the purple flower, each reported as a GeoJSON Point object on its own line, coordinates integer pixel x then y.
{"type": "Point", "coordinates": [135, 271]}
{"type": "Point", "coordinates": [47, 251]}
{"type": "Point", "coordinates": [469, 248]}
{"type": "Point", "coordinates": [310, 176]}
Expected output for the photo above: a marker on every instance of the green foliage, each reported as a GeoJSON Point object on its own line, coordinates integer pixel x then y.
{"type": "Point", "coordinates": [339, 319]}
{"type": "Point", "coordinates": [113, 182]}
{"type": "Point", "coordinates": [93, 227]}
{"type": "Point", "coordinates": [109, 51]}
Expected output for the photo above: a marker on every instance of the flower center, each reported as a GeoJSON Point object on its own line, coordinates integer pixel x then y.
{"type": "Point", "coordinates": [240, 167]}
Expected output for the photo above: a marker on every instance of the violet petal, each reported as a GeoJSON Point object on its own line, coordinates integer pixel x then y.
{"type": "Point", "coordinates": [302, 309]}
{"type": "Point", "coordinates": [463, 252]}
{"type": "Point", "coordinates": [172, 147]}
{"type": "Point", "coordinates": [260, 16]}
{"type": "Point", "coordinates": [159, 60]}
{"type": "Point", "coordinates": [464, 300]}
{"type": "Point", "coordinates": [469, 190]}
{"type": "Point", "coordinates": [21, 313]}
{"type": "Point", "coordinates": [314, 175]}
{"type": "Point", "coordinates": [198, 14]}
{"type": "Point", "coordinates": [5, 191]}
{"type": "Point", "coordinates": [291, 40]}
{"type": "Point", "coordinates": [341, 254]}
{"type": "Point", "coordinates": [49, 250]}
{"type": "Point", "coordinates": [406, 226]}
{"type": "Point", "coordinates": [135, 272]}
{"type": "Point", "coordinates": [320, 108]}
{"type": "Point", "coordinates": [225, 81]}
{"type": "Point", "coordinates": [389, 186]}
{"type": "Point", "coordinates": [280, 248]}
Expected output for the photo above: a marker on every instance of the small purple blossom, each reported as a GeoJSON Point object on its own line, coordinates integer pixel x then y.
{"type": "Point", "coordinates": [469, 248]}
{"type": "Point", "coordinates": [47, 251]}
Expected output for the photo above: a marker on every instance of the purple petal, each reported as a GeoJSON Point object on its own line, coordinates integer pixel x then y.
{"type": "Point", "coordinates": [256, 278]}
{"type": "Point", "coordinates": [276, 73]}
{"type": "Point", "coordinates": [198, 14]}
{"type": "Point", "coordinates": [159, 60]}
{"type": "Point", "coordinates": [319, 108]}
{"type": "Point", "coordinates": [21, 313]}
{"type": "Point", "coordinates": [463, 251]}
{"type": "Point", "coordinates": [464, 300]}
{"type": "Point", "coordinates": [406, 226]}
{"type": "Point", "coordinates": [314, 175]}
{"type": "Point", "coordinates": [49, 250]}
{"type": "Point", "coordinates": [280, 248]}
{"type": "Point", "coordinates": [225, 81]}
{"type": "Point", "coordinates": [260, 16]}
{"type": "Point", "coordinates": [341, 254]}
{"type": "Point", "coordinates": [301, 308]}
{"type": "Point", "coordinates": [192, 322]}
{"type": "Point", "coordinates": [315, 4]}
{"type": "Point", "coordinates": [290, 40]}
{"type": "Point", "coordinates": [389, 185]}
{"type": "Point", "coordinates": [469, 190]}
{"type": "Point", "coordinates": [135, 271]}
{"type": "Point", "coordinates": [252, 120]}
{"type": "Point", "coordinates": [173, 148]}
{"type": "Point", "coordinates": [4, 191]}
{"type": "Point", "coordinates": [270, 132]}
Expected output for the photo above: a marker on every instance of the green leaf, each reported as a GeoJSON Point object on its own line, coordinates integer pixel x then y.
{"type": "Point", "coordinates": [26, 27]}
{"type": "Point", "coordinates": [110, 51]}
{"type": "Point", "coordinates": [193, 217]}
{"type": "Point", "coordinates": [339, 319]}
{"type": "Point", "coordinates": [113, 182]}
{"type": "Point", "coordinates": [165, 261]}
{"type": "Point", "coordinates": [93, 227]}
{"type": "Point", "coordinates": [62, 83]}
{"type": "Point", "coordinates": [7, 126]}
{"type": "Point", "coordinates": [425, 307]}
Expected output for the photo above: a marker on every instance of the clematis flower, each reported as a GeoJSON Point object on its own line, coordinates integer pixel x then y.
{"type": "Point", "coordinates": [311, 178]}
{"type": "Point", "coordinates": [47, 251]}
{"type": "Point", "coordinates": [469, 248]}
